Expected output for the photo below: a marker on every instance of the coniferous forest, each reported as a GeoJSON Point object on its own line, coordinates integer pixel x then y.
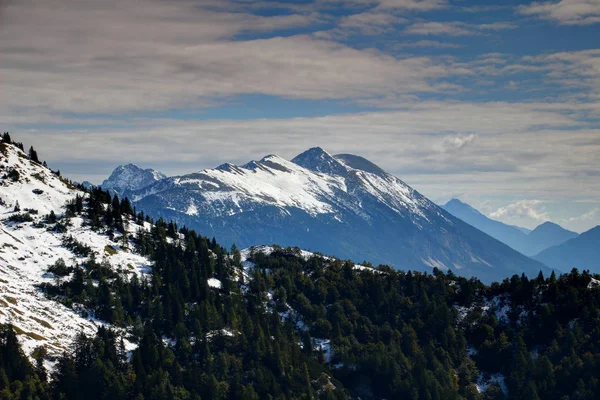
{"type": "Point", "coordinates": [288, 326]}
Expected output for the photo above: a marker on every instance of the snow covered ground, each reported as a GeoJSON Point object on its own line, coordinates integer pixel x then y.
{"type": "Point", "coordinates": [27, 249]}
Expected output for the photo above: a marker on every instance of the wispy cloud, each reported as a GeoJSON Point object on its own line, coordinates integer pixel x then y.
{"type": "Point", "coordinates": [455, 28]}
{"type": "Point", "coordinates": [438, 28]}
{"type": "Point", "coordinates": [570, 12]}
{"type": "Point", "coordinates": [411, 5]}
{"type": "Point", "coordinates": [588, 216]}
{"type": "Point", "coordinates": [429, 43]}
{"type": "Point", "coordinates": [456, 142]}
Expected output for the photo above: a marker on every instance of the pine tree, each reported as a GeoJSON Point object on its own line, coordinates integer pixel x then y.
{"type": "Point", "coordinates": [33, 155]}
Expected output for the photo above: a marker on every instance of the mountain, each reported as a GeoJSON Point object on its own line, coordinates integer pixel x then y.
{"type": "Point", "coordinates": [527, 242]}
{"type": "Point", "coordinates": [130, 177]}
{"type": "Point", "coordinates": [512, 236]}
{"type": "Point", "coordinates": [547, 235]}
{"type": "Point", "coordinates": [343, 205]}
{"type": "Point", "coordinates": [524, 230]}
{"type": "Point", "coordinates": [87, 184]}
{"type": "Point", "coordinates": [581, 252]}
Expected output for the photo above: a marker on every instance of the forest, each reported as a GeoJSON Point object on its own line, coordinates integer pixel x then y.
{"type": "Point", "coordinates": [287, 325]}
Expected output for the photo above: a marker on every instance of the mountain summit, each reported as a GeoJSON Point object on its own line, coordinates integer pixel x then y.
{"type": "Point", "coordinates": [131, 177]}
{"type": "Point", "coordinates": [318, 160]}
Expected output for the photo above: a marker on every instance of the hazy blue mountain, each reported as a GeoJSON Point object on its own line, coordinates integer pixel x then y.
{"type": "Point", "coordinates": [524, 230]}
{"type": "Point", "coordinates": [582, 252]}
{"type": "Point", "coordinates": [527, 242]}
{"type": "Point", "coordinates": [340, 205]}
{"type": "Point", "coordinates": [510, 235]}
{"type": "Point", "coordinates": [87, 184]}
{"type": "Point", "coordinates": [547, 235]}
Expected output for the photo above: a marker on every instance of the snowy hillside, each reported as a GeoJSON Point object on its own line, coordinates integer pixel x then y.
{"type": "Point", "coordinates": [28, 248]}
{"type": "Point", "coordinates": [343, 205]}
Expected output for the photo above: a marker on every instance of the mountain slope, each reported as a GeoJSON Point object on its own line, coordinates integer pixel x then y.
{"type": "Point", "coordinates": [342, 205]}
{"type": "Point", "coordinates": [30, 243]}
{"type": "Point", "coordinates": [131, 177]}
{"type": "Point", "coordinates": [582, 252]}
{"type": "Point", "coordinates": [527, 242]}
{"type": "Point", "coordinates": [510, 235]}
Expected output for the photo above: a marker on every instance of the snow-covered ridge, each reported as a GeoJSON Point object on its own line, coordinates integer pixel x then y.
{"type": "Point", "coordinates": [314, 182]}
{"type": "Point", "coordinates": [28, 248]}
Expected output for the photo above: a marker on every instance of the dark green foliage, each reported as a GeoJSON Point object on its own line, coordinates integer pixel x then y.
{"type": "Point", "coordinates": [18, 378]}
{"type": "Point", "coordinates": [33, 156]}
{"type": "Point", "coordinates": [21, 217]}
{"type": "Point", "coordinates": [59, 268]}
{"type": "Point", "coordinates": [13, 175]}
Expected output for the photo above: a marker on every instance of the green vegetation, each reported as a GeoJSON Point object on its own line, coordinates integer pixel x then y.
{"type": "Point", "coordinates": [110, 250]}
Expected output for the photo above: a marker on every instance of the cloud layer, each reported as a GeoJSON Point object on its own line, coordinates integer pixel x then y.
{"type": "Point", "coordinates": [570, 12]}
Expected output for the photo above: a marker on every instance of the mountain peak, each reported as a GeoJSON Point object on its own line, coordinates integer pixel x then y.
{"type": "Point", "coordinates": [318, 160]}
{"type": "Point", "coordinates": [456, 201]}
{"type": "Point", "coordinates": [455, 205]}
{"type": "Point", "coordinates": [549, 226]}
{"type": "Point", "coordinates": [130, 176]}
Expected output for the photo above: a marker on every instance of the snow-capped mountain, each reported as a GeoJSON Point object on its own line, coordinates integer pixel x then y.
{"type": "Point", "coordinates": [342, 205]}
{"type": "Point", "coordinates": [131, 177]}
{"type": "Point", "coordinates": [29, 244]}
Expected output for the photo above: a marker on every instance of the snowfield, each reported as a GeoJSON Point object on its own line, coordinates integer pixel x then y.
{"type": "Point", "coordinates": [27, 249]}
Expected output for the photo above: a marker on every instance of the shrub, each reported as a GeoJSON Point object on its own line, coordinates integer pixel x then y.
{"type": "Point", "coordinates": [21, 217]}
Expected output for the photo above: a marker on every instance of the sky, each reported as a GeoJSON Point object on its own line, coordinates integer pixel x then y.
{"type": "Point", "coordinates": [496, 103]}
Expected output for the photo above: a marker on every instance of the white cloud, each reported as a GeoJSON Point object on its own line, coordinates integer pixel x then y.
{"type": "Point", "coordinates": [455, 28]}
{"type": "Point", "coordinates": [457, 142]}
{"type": "Point", "coordinates": [523, 210]}
{"type": "Point", "coordinates": [370, 23]}
{"type": "Point", "coordinates": [588, 216]}
{"type": "Point", "coordinates": [429, 43]}
{"type": "Point", "coordinates": [411, 5]}
{"type": "Point", "coordinates": [438, 28]}
{"type": "Point", "coordinates": [570, 12]}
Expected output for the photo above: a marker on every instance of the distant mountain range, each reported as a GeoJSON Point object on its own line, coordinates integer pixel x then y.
{"type": "Point", "coordinates": [343, 205]}
{"type": "Point", "coordinates": [529, 243]}
{"type": "Point", "coordinates": [582, 252]}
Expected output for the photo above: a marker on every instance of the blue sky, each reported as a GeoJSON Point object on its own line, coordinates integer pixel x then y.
{"type": "Point", "coordinates": [497, 103]}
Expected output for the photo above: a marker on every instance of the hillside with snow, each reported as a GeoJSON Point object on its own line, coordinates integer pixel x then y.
{"type": "Point", "coordinates": [30, 243]}
{"type": "Point", "coordinates": [343, 205]}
